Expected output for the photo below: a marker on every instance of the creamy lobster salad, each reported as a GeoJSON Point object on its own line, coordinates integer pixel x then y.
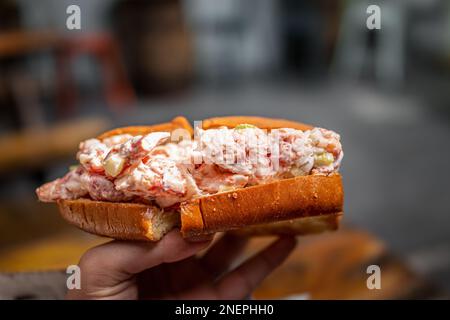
{"type": "Point", "coordinates": [154, 169]}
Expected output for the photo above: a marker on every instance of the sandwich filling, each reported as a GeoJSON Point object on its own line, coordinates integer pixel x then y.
{"type": "Point", "coordinates": [156, 170]}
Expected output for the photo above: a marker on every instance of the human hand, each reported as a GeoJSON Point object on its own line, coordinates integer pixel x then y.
{"type": "Point", "coordinates": [170, 269]}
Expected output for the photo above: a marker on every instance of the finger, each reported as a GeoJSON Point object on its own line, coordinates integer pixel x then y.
{"type": "Point", "coordinates": [222, 255]}
{"type": "Point", "coordinates": [241, 282]}
{"type": "Point", "coordinates": [126, 257]}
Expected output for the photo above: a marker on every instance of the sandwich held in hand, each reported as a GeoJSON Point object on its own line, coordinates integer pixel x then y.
{"type": "Point", "coordinates": [259, 176]}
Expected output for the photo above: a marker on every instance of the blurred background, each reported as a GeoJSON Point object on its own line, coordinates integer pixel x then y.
{"type": "Point", "coordinates": [387, 92]}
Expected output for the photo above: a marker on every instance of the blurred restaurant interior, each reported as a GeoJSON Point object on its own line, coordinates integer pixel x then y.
{"type": "Point", "coordinates": [386, 91]}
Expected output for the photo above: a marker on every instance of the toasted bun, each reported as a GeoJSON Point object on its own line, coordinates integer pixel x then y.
{"type": "Point", "coordinates": [126, 221]}
{"type": "Point", "coordinates": [301, 226]}
{"type": "Point", "coordinates": [298, 197]}
{"type": "Point", "coordinates": [260, 122]}
{"type": "Point", "coordinates": [176, 123]}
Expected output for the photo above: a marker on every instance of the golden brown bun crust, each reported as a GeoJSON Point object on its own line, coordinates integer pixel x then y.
{"type": "Point", "coordinates": [260, 122]}
{"type": "Point", "coordinates": [301, 226]}
{"type": "Point", "coordinates": [230, 122]}
{"type": "Point", "coordinates": [126, 221]}
{"type": "Point", "coordinates": [176, 123]}
{"type": "Point", "coordinates": [298, 197]}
